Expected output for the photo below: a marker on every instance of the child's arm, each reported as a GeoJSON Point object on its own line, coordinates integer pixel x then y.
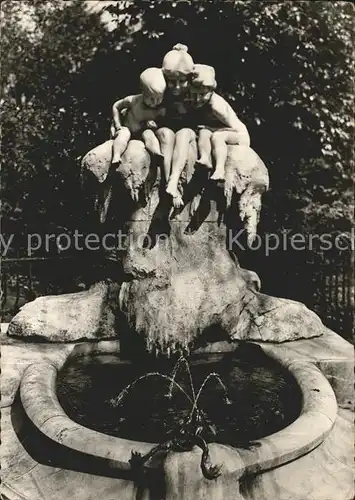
{"type": "Point", "coordinates": [225, 113]}
{"type": "Point", "coordinates": [125, 103]}
{"type": "Point", "coordinates": [152, 123]}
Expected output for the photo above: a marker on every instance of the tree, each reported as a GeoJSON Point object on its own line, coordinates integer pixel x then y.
{"type": "Point", "coordinates": [52, 52]}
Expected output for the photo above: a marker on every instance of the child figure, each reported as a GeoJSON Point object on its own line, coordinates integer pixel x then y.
{"type": "Point", "coordinates": [177, 68]}
{"type": "Point", "coordinates": [214, 113]}
{"type": "Point", "coordinates": [139, 112]}
{"type": "Point", "coordinates": [209, 113]}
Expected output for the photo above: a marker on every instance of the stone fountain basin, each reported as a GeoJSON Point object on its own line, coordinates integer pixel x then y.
{"type": "Point", "coordinates": [317, 417]}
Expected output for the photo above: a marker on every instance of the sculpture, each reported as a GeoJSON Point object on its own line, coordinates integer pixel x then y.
{"type": "Point", "coordinates": [181, 286]}
{"type": "Point", "coordinates": [181, 280]}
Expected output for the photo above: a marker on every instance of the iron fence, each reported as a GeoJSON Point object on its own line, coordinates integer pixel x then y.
{"type": "Point", "coordinates": [324, 281]}
{"type": "Point", "coordinates": [24, 279]}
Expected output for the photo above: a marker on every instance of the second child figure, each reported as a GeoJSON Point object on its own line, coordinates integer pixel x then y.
{"type": "Point", "coordinates": [138, 113]}
{"type": "Point", "coordinates": [219, 125]}
{"type": "Point", "coordinates": [215, 122]}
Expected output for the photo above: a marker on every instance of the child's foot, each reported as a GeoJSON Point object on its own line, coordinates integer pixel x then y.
{"type": "Point", "coordinates": [178, 201]}
{"type": "Point", "coordinates": [178, 205]}
{"type": "Point", "coordinates": [204, 162]}
{"type": "Point", "coordinates": [218, 175]}
{"type": "Point", "coordinates": [172, 189]}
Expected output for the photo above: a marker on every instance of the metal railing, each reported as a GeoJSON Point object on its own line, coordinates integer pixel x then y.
{"type": "Point", "coordinates": [24, 279]}
{"type": "Point", "coordinates": [322, 281]}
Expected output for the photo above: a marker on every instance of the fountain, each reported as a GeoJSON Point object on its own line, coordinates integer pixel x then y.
{"type": "Point", "coordinates": [191, 424]}
{"type": "Point", "coordinates": [181, 292]}
{"type": "Point", "coordinates": [190, 430]}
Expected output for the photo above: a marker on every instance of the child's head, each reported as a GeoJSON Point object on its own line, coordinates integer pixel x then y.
{"type": "Point", "coordinates": [177, 68]}
{"type": "Point", "coordinates": [153, 86]}
{"type": "Point", "coordinates": [203, 84]}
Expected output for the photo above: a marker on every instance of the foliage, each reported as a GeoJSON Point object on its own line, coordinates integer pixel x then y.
{"type": "Point", "coordinates": [45, 112]}
{"type": "Point", "coordinates": [286, 67]}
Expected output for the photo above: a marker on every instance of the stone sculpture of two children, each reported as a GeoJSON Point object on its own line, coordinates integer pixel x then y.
{"type": "Point", "coordinates": [177, 102]}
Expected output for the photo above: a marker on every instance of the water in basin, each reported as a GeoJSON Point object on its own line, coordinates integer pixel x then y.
{"type": "Point", "coordinates": [256, 397]}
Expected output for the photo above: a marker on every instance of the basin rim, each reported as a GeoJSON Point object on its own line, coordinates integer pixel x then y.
{"type": "Point", "coordinates": [316, 420]}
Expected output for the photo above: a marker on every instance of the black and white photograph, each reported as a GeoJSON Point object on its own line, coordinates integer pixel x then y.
{"type": "Point", "coordinates": [177, 250]}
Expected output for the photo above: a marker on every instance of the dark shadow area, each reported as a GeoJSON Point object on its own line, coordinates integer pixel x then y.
{"type": "Point", "coordinates": [160, 224]}
{"type": "Point", "coordinates": [200, 215]}
{"type": "Point", "coordinates": [200, 184]}
{"type": "Point", "coordinates": [132, 345]}
{"type": "Point", "coordinates": [197, 183]}
{"type": "Point", "coordinates": [213, 333]}
{"type": "Point", "coordinates": [263, 397]}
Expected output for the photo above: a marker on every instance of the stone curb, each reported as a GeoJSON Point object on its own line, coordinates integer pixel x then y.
{"type": "Point", "coordinates": [317, 418]}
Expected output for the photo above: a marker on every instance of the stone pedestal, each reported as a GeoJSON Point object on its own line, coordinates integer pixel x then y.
{"type": "Point", "coordinates": [181, 281]}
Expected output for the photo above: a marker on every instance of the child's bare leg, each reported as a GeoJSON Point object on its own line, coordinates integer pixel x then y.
{"type": "Point", "coordinates": [219, 141]}
{"type": "Point", "coordinates": [120, 144]}
{"type": "Point", "coordinates": [151, 142]}
{"type": "Point", "coordinates": [180, 156]}
{"type": "Point", "coordinates": [166, 138]}
{"type": "Point", "coordinates": [205, 147]}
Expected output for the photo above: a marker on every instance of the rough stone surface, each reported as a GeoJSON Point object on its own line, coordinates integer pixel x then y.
{"type": "Point", "coordinates": [184, 280]}
{"type": "Point", "coordinates": [69, 317]}
{"type": "Point", "coordinates": [326, 473]}
{"type": "Point", "coordinates": [98, 161]}
{"type": "Point", "coordinates": [182, 289]}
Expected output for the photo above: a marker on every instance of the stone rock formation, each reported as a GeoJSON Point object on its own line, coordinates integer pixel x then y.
{"type": "Point", "coordinates": [89, 315]}
{"type": "Point", "coordinates": [180, 279]}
